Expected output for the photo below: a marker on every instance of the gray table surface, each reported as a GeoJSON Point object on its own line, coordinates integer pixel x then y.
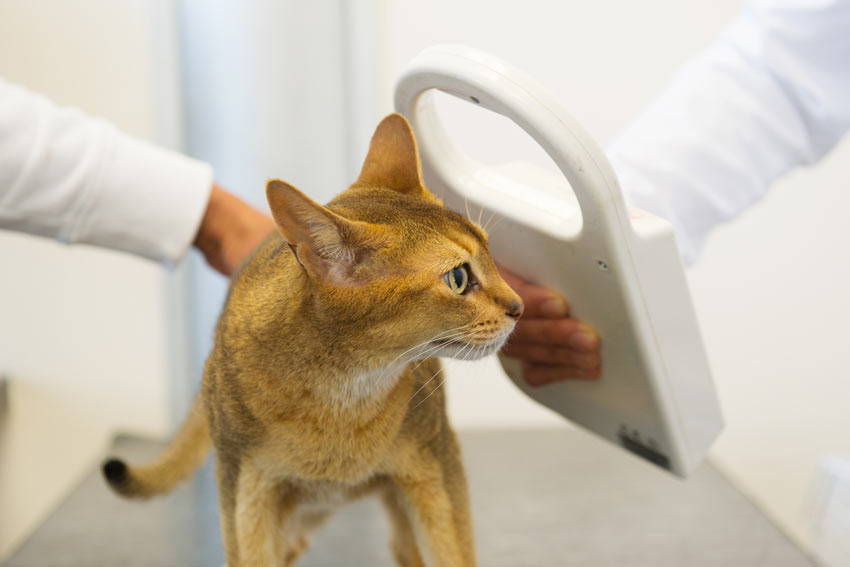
{"type": "Point", "coordinates": [555, 498]}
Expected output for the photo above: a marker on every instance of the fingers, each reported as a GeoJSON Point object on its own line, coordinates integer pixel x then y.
{"type": "Point", "coordinates": [552, 355]}
{"type": "Point", "coordinates": [540, 374]}
{"type": "Point", "coordinates": [551, 345]}
{"type": "Point", "coordinates": [539, 301]}
{"type": "Point", "coordinates": [554, 350]}
{"type": "Point", "coordinates": [566, 332]}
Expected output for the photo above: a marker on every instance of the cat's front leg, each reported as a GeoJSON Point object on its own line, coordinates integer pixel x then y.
{"type": "Point", "coordinates": [436, 500]}
{"type": "Point", "coordinates": [263, 509]}
{"type": "Point", "coordinates": [403, 544]}
{"type": "Point", "coordinates": [227, 473]}
{"type": "Point", "coordinates": [299, 534]}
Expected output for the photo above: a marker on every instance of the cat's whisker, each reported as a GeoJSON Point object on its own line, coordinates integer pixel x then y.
{"type": "Point", "coordinates": [440, 385]}
{"type": "Point", "coordinates": [466, 346]}
{"type": "Point", "coordinates": [469, 352]}
{"type": "Point", "coordinates": [487, 224]}
{"type": "Point", "coordinates": [438, 336]}
{"type": "Point", "coordinates": [431, 393]}
{"type": "Point", "coordinates": [464, 354]}
{"type": "Point", "coordinates": [431, 350]}
{"type": "Point", "coordinates": [461, 355]}
{"type": "Point", "coordinates": [452, 333]}
{"type": "Point", "coordinates": [480, 211]}
{"type": "Point", "coordinates": [477, 348]}
{"type": "Point", "coordinates": [466, 204]}
{"type": "Point", "coordinates": [428, 352]}
{"type": "Point", "coordinates": [462, 334]}
{"type": "Point", "coordinates": [495, 224]}
{"type": "Point", "coordinates": [436, 347]}
{"type": "Point", "coordinates": [425, 384]}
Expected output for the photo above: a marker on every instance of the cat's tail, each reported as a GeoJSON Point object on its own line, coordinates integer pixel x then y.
{"type": "Point", "coordinates": [185, 453]}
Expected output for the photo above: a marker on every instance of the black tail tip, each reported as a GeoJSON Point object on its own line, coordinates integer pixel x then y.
{"type": "Point", "coordinates": [115, 472]}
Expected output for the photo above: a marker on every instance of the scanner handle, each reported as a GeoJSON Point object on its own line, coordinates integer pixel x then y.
{"type": "Point", "coordinates": [481, 79]}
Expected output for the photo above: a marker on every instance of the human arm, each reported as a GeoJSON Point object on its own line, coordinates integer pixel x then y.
{"type": "Point", "coordinates": [771, 93]}
{"type": "Point", "coordinates": [77, 179]}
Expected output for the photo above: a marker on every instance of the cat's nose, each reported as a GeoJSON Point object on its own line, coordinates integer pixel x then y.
{"type": "Point", "coordinates": [516, 309]}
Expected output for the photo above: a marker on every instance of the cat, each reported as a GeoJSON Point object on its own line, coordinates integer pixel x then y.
{"type": "Point", "coordinates": [323, 386]}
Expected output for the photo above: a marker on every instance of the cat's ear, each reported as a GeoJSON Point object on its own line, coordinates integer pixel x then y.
{"type": "Point", "coordinates": [329, 246]}
{"type": "Point", "coordinates": [393, 158]}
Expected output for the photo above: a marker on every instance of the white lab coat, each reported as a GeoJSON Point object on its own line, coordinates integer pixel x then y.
{"type": "Point", "coordinates": [771, 93]}
{"type": "Point", "coordinates": [78, 179]}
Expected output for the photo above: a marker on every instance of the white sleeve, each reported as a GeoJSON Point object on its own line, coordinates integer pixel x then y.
{"type": "Point", "coordinates": [772, 93]}
{"type": "Point", "coordinates": [68, 176]}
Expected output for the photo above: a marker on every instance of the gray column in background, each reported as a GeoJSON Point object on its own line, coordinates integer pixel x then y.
{"type": "Point", "coordinates": [273, 88]}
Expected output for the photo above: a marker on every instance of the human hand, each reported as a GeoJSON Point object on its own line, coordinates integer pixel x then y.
{"type": "Point", "coordinates": [552, 345]}
{"type": "Point", "coordinates": [230, 230]}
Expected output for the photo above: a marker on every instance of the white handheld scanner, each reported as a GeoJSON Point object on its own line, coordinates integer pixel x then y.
{"type": "Point", "coordinates": [619, 269]}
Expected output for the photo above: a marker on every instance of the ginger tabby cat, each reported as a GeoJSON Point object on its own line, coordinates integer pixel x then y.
{"type": "Point", "coordinates": [321, 386]}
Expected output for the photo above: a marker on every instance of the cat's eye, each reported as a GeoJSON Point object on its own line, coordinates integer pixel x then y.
{"type": "Point", "coordinates": [458, 279]}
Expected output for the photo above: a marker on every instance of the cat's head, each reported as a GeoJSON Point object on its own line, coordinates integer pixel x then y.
{"type": "Point", "coordinates": [390, 267]}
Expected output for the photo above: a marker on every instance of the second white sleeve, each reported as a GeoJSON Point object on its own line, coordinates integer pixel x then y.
{"type": "Point", "coordinates": [772, 93]}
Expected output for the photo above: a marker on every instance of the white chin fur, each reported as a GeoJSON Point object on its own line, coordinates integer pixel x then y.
{"type": "Point", "coordinates": [472, 352]}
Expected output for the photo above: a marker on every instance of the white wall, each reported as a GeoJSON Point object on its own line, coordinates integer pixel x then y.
{"type": "Point", "coordinates": [771, 288]}
{"type": "Point", "coordinates": [771, 292]}
{"type": "Point", "coordinates": [85, 336]}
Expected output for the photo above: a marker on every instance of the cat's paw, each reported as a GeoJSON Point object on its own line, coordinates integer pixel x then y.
{"type": "Point", "coordinates": [295, 550]}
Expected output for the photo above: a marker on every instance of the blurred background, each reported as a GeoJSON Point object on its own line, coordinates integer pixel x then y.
{"type": "Point", "coordinates": [93, 342]}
